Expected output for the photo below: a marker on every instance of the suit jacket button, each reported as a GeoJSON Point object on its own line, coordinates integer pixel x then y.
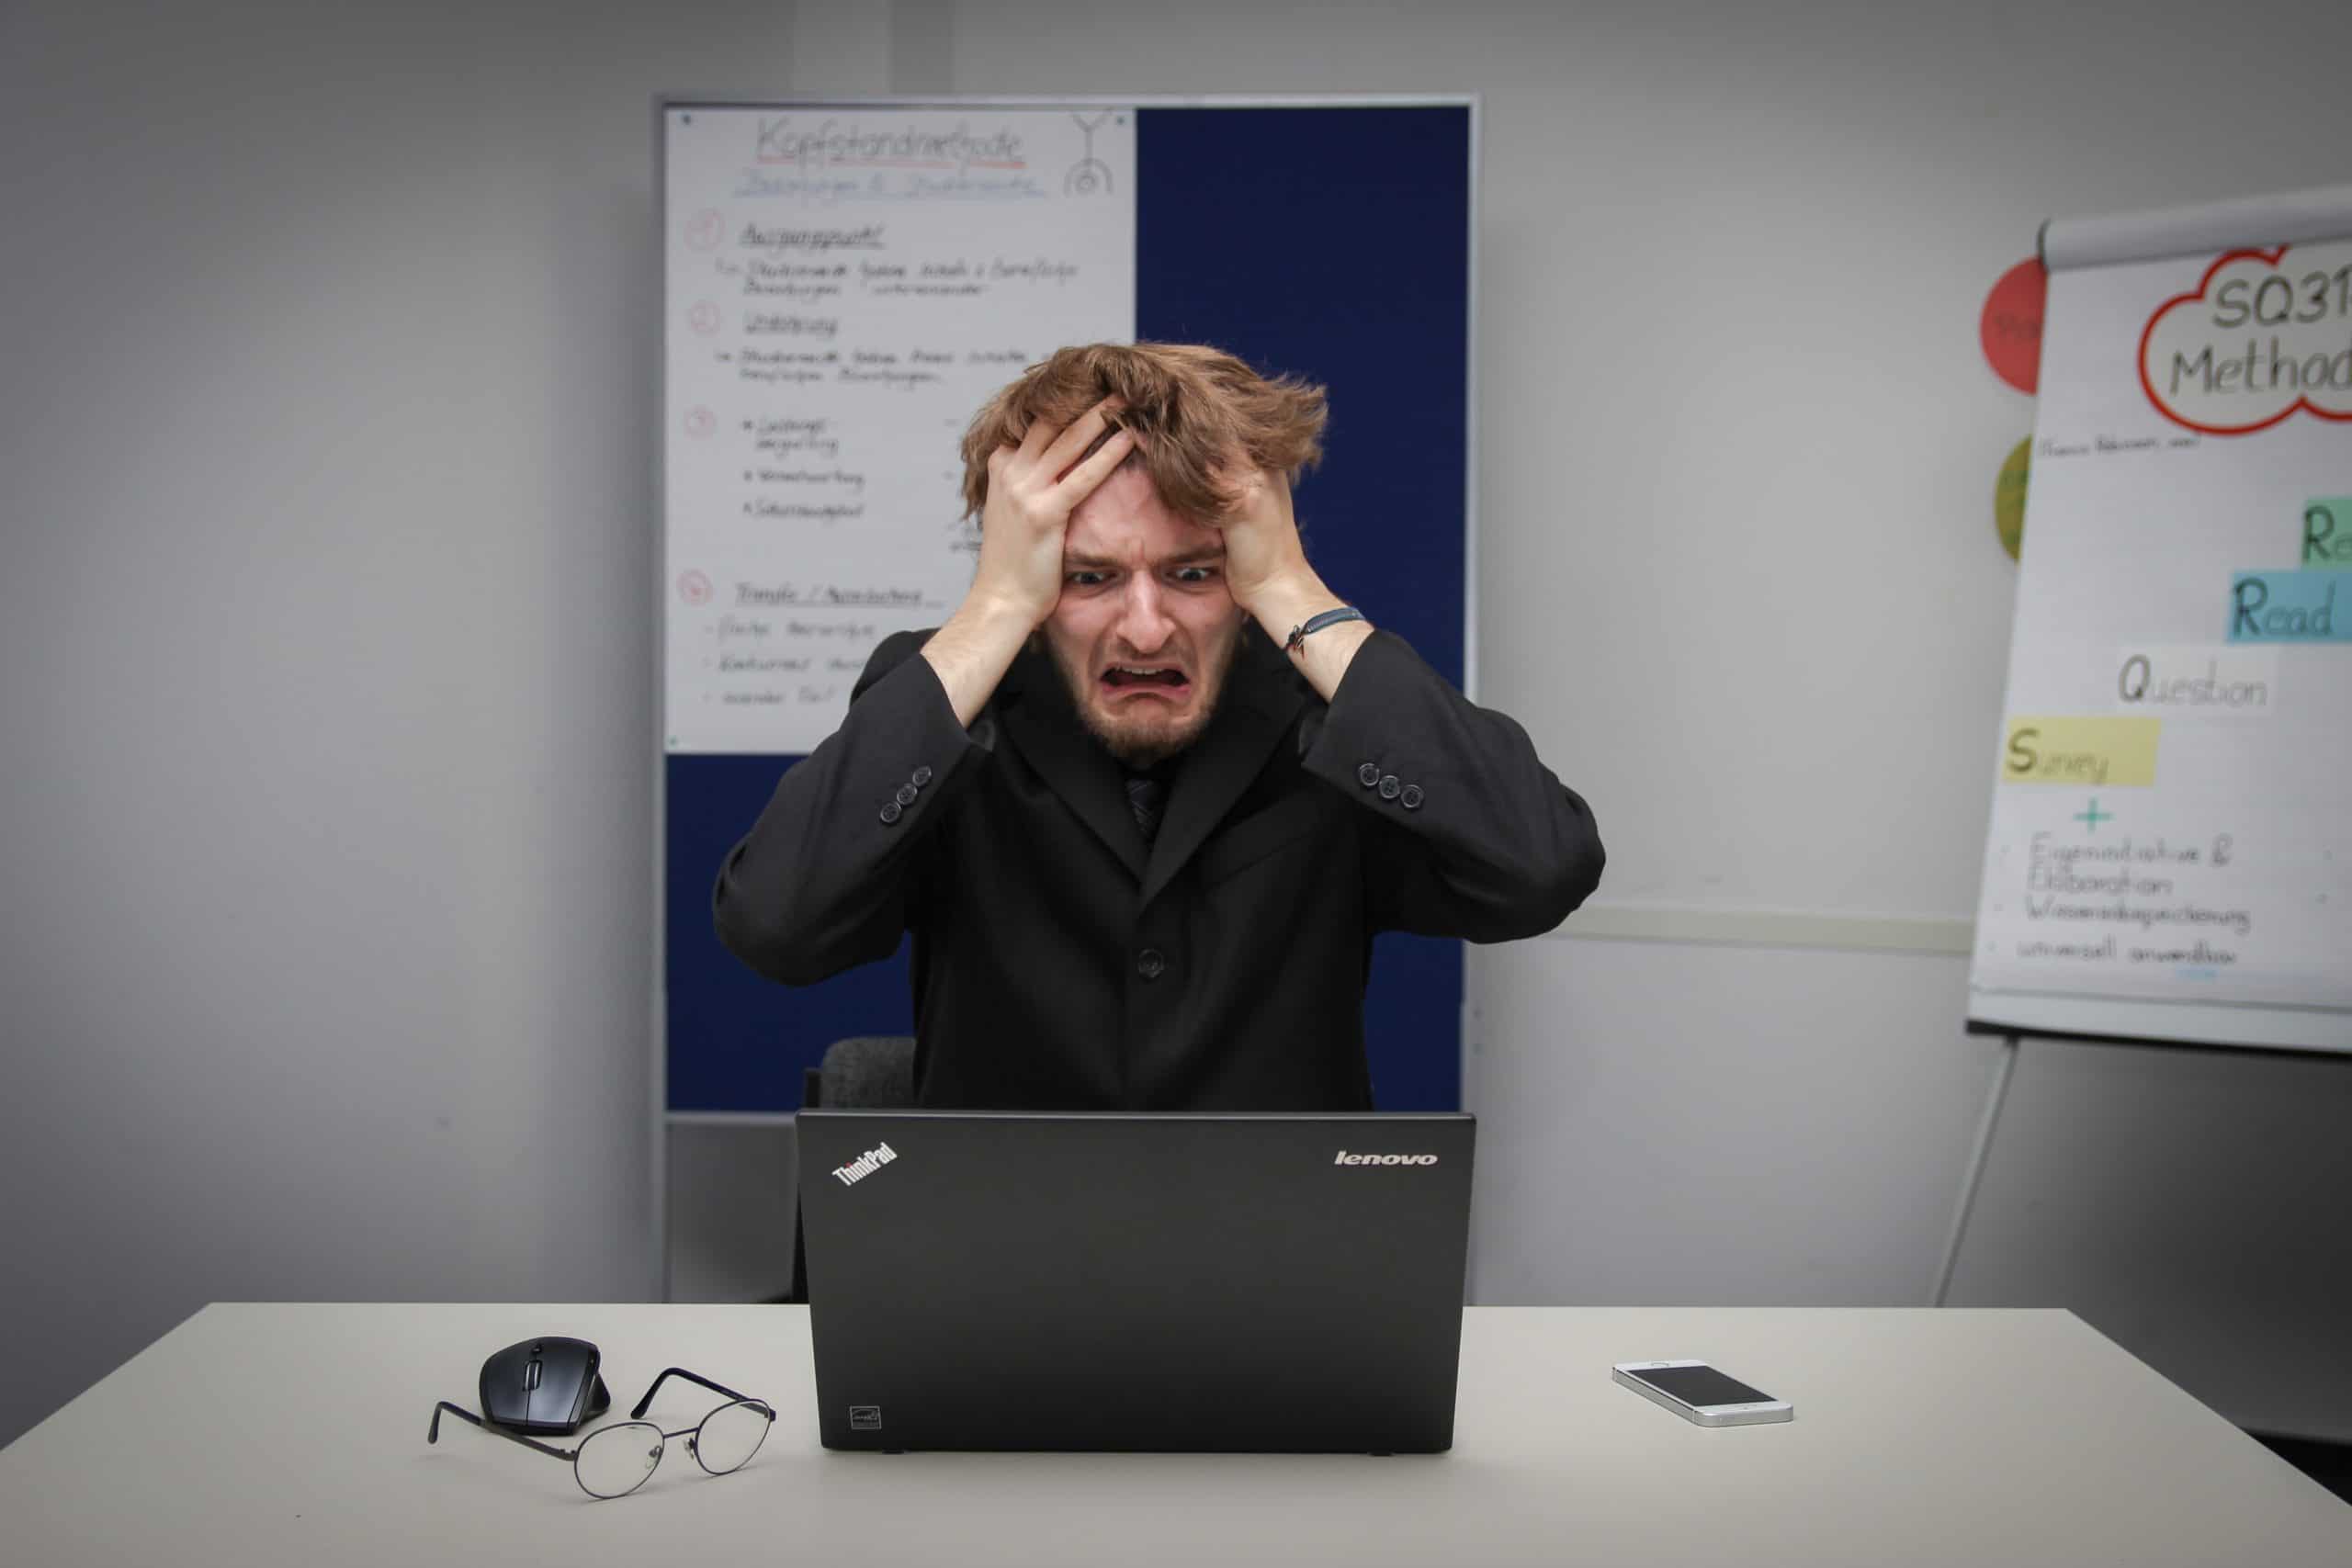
{"type": "Point", "coordinates": [1151, 964]}
{"type": "Point", "coordinates": [1388, 786]}
{"type": "Point", "coordinates": [1368, 775]}
{"type": "Point", "coordinates": [906, 796]}
{"type": "Point", "coordinates": [1411, 799]}
{"type": "Point", "coordinates": [922, 777]}
{"type": "Point", "coordinates": [891, 812]}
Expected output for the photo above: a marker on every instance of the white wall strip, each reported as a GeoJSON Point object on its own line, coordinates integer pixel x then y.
{"type": "Point", "coordinates": [1771, 928]}
{"type": "Point", "coordinates": [729, 1118]}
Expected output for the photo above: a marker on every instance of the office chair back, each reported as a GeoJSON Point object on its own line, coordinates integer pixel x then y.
{"type": "Point", "coordinates": [864, 1072]}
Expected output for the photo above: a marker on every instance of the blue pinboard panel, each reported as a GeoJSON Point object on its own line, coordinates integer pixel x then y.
{"type": "Point", "coordinates": [738, 1042]}
{"type": "Point", "coordinates": [1335, 244]}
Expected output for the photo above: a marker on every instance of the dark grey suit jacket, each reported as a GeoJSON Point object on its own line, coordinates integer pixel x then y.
{"type": "Point", "coordinates": [1061, 962]}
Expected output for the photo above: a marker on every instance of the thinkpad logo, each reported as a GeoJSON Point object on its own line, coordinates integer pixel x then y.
{"type": "Point", "coordinates": [865, 1164]}
{"type": "Point", "coordinates": [1347, 1158]}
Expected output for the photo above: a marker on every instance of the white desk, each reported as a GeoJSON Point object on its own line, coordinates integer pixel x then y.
{"type": "Point", "coordinates": [294, 1434]}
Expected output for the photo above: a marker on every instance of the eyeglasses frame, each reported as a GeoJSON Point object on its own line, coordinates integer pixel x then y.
{"type": "Point", "coordinates": [571, 1455]}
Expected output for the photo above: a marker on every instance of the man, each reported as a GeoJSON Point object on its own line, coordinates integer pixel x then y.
{"type": "Point", "coordinates": [1147, 794]}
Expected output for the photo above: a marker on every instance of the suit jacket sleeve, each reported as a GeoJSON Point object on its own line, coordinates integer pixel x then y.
{"type": "Point", "coordinates": [1469, 834]}
{"type": "Point", "coordinates": [824, 880]}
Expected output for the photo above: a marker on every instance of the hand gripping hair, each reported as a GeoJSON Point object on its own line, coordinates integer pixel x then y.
{"type": "Point", "coordinates": [1204, 420]}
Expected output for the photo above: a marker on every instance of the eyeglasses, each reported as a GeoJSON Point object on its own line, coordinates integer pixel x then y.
{"type": "Point", "coordinates": [613, 1462]}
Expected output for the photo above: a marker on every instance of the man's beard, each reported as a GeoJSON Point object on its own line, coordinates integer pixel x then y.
{"type": "Point", "coordinates": [1147, 744]}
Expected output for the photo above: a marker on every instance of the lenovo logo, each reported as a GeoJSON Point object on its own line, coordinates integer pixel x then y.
{"type": "Point", "coordinates": [1346, 1158]}
{"type": "Point", "coordinates": [865, 1164]}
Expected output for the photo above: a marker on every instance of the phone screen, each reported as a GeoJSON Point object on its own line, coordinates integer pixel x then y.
{"type": "Point", "coordinates": [1699, 1385]}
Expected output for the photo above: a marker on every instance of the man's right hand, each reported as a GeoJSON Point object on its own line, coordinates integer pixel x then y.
{"type": "Point", "coordinates": [1032, 489]}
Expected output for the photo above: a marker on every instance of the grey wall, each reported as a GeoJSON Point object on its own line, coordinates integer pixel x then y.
{"type": "Point", "coordinates": [326, 433]}
{"type": "Point", "coordinates": [326, 446]}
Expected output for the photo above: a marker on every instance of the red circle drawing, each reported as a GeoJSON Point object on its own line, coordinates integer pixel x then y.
{"type": "Point", "coordinates": [2010, 327]}
{"type": "Point", "coordinates": [694, 588]}
{"type": "Point", "coordinates": [705, 233]}
{"type": "Point", "coordinates": [699, 422]}
{"type": "Point", "coordinates": [704, 318]}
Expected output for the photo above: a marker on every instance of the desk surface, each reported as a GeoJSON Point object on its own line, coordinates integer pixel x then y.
{"type": "Point", "coordinates": [294, 1434]}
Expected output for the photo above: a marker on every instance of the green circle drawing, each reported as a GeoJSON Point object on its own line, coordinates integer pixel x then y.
{"type": "Point", "coordinates": [2009, 496]}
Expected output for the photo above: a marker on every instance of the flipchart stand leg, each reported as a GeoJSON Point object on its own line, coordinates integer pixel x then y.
{"type": "Point", "coordinates": [1975, 1177]}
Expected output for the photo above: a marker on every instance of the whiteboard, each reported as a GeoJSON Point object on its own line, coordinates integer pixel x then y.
{"type": "Point", "coordinates": [843, 287]}
{"type": "Point", "coordinates": [2170, 849]}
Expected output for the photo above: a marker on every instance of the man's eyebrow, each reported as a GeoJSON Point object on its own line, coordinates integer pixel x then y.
{"type": "Point", "coordinates": [1205, 555]}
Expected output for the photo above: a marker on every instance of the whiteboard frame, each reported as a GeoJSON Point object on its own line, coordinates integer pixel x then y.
{"type": "Point", "coordinates": [660, 1117]}
{"type": "Point", "coordinates": [2157, 1021]}
{"type": "Point", "coordinates": [2281, 217]}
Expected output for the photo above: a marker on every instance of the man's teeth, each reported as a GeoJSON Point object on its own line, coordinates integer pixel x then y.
{"type": "Point", "coordinates": [1156, 675]}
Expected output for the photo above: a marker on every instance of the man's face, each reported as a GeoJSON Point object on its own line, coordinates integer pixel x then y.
{"type": "Point", "coordinates": [1145, 630]}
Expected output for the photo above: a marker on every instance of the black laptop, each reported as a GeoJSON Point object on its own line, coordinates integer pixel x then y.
{"type": "Point", "coordinates": [1252, 1283]}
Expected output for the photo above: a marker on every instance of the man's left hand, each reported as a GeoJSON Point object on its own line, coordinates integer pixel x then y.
{"type": "Point", "coordinates": [1266, 572]}
{"type": "Point", "coordinates": [1263, 557]}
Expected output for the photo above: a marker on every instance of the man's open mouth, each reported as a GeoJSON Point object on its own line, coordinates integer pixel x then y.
{"type": "Point", "coordinates": [1157, 680]}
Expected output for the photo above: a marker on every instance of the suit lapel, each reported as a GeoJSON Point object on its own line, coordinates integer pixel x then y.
{"type": "Point", "coordinates": [1073, 763]}
{"type": "Point", "coordinates": [1261, 700]}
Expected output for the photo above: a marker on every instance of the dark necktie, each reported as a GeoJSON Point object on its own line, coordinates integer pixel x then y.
{"type": "Point", "coordinates": [1147, 797]}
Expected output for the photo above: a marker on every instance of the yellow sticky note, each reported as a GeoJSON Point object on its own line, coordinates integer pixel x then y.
{"type": "Point", "coordinates": [2080, 750]}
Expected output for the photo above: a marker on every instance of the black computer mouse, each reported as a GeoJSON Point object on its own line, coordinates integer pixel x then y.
{"type": "Point", "coordinates": [549, 1385]}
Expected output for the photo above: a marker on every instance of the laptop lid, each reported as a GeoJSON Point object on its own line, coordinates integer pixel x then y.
{"type": "Point", "coordinates": [1266, 1284]}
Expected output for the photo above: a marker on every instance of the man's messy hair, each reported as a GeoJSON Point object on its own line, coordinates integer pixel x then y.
{"type": "Point", "coordinates": [1202, 419]}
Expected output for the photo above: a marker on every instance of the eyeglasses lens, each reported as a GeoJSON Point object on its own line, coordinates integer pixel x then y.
{"type": "Point", "coordinates": [614, 1462]}
{"type": "Point", "coordinates": [731, 1434]}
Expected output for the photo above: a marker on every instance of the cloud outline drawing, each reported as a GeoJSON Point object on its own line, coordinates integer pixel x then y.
{"type": "Point", "coordinates": [2269, 258]}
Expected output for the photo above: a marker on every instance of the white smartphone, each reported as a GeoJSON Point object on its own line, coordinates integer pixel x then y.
{"type": "Point", "coordinates": [1696, 1392]}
